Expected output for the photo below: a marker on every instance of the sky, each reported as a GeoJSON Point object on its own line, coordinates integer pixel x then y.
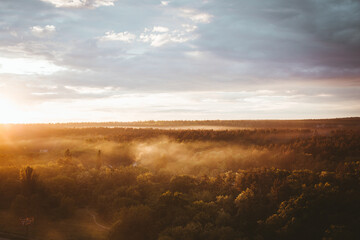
{"type": "Point", "coordinates": [127, 60]}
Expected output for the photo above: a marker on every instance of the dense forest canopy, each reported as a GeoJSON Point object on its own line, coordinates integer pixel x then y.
{"type": "Point", "coordinates": [270, 180]}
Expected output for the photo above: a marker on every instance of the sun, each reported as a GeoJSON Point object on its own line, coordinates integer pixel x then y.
{"type": "Point", "coordinates": [9, 112]}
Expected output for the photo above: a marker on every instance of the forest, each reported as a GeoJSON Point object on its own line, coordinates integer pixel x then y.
{"type": "Point", "coordinates": [172, 181]}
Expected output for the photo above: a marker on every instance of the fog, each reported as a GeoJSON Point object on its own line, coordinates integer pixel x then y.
{"type": "Point", "coordinates": [156, 154]}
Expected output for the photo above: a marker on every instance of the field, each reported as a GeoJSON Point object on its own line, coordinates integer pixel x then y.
{"type": "Point", "coordinates": [275, 179]}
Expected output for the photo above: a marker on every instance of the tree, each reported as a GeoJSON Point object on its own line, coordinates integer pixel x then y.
{"type": "Point", "coordinates": [29, 184]}
{"type": "Point", "coordinates": [99, 160]}
{"type": "Point", "coordinates": [68, 155]}
{"type": "Point", "coordinates": [28, 181]}
{"type": "Point", "coordinates": [135, 223]}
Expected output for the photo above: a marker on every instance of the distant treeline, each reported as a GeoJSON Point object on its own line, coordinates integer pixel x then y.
{"type": "Point", "coordinates": [351, 122]}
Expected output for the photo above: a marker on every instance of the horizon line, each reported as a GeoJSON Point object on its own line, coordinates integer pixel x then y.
{"type": "Point", "coordinates": [180, 120]}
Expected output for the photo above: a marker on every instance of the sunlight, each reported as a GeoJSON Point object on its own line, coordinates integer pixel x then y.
{"type": "Point", "coordinates": [10, 112]}
{"type": "Point", "coordinates": [27, 66]}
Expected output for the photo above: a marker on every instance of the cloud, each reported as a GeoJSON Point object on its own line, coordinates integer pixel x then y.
{"type": "Point", "coordinates": [80, 3]}
{"type": "Point", "coordinates": [287, 39]}
{"type": "Point", "coordinates": [158, 40]}
{"type": "Point", "coordinates": [122, 36]}
{"type": "Point", "coordinates": [311, 47]}
{"type": "Point", "coordinates": [196, 16]}
{"type": "Point", "coordinates": [157, 37]}
{"type": "Point", "coordinates": [27, 66]}
{"type": "Point", "coordinates": [43, 31]}
{"type": "Point", "coordinates": [195, 105]}
{"type": "Point", "coordinates": [160, 29]}
{"type": "Point", "coordinates": [90, 90]}
{"type": "Point", "coordinates": [162, 35]}
{"type": "Point", "coordinates": [189, 28]}
{"type": "Point", "coordinates": [165, 3]}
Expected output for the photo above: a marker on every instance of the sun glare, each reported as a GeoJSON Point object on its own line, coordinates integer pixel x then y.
{"type": "Point", "coordinates": [27, 66]}
{"type": "Point", "coordinates": [9, 112]}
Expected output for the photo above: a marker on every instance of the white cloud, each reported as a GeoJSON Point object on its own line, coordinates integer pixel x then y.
{"type": "Point", "coordinates": [160, 29]}
{"type": "Point", "coordinates": [157, 36]}
{"type": "Point", "coordinates": [122, 36]}
{"type": "Point", "coordinates": [194, 54]}
{"type": "Point", "coordinates": [162, 35]}
{"type": "Point", "coordinates": [165, 3]}
{"type": "Point", "coordinates": [324, 95]}
{"type": "Point", "coordinates": [43, 93]}
{"type": "Point", "coordinates": [27, 66]}
{"type": "Point", "coordinates": [157, 40]}
{"type": "Point", "coordinates": [43, 31]}
{"type": "Point", "coordinates": [189, 28]}
{"type": "Point", "coordinates": [195, 16]}
{"type": "Point", "coordinates": [90, 90]}
{"type": "Point", "coordinates": [81, 3]}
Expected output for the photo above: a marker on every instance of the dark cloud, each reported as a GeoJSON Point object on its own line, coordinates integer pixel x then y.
{"type": "Point", "coordinates": [310, 39]}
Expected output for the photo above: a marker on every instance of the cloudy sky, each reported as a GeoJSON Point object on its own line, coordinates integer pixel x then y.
{"type": "Point", "coordinates": [126, 60]}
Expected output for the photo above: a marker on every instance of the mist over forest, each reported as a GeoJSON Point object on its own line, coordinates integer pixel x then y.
{"type": "Point", "coordinates": [284, 181]}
